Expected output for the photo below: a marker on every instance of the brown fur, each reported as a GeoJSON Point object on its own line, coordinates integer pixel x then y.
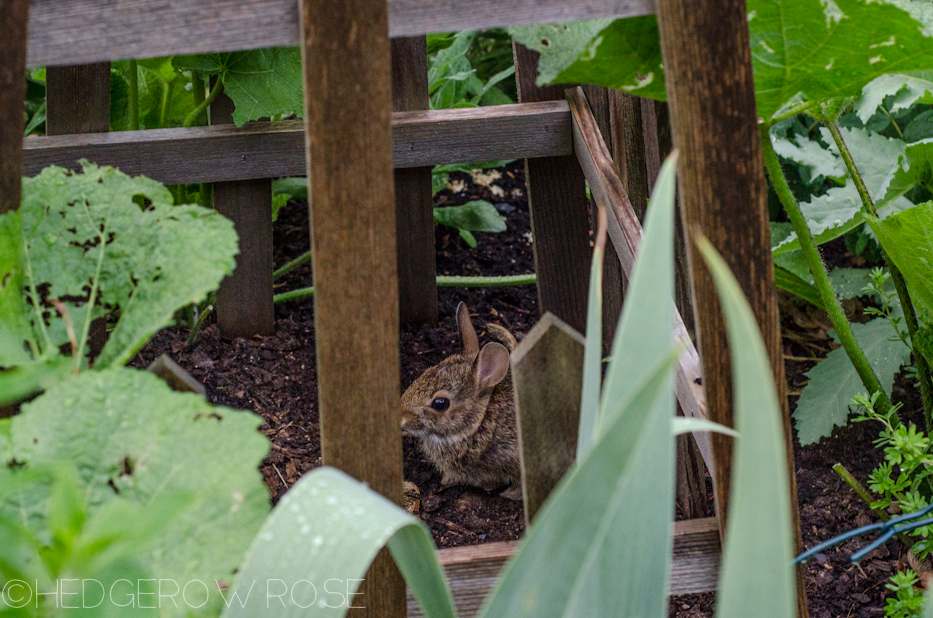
{"type": "Point", "coordinates": [473, 442]}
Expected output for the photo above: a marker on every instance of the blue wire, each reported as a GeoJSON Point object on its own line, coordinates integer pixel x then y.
{"type": "Point", "coordinates": [888, 529]}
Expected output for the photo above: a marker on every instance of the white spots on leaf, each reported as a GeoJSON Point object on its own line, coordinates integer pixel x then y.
{"type": "Point", "coordinates": [832, 12]}
{"type": "Point", "coordinates": [766, 47]}
{"type": "Point", "coordinates": [590, 53]}
{"type": "Point", "coordinates": [752, 15]}
{"type": "Point", "coordinates": [887, 43]}
{"type": "Point", "coordinates": [830, 65]}
{"type": "Point", "coordinates": [877, 58]}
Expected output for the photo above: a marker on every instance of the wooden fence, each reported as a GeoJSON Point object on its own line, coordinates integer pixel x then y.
{"type": "Point", "coordinates": [362, 137]}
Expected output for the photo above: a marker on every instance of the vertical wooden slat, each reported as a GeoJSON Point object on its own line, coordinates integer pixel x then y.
{"type": "Point", "coordinates": [715, 126]}
{"type": "Point", "coordinates": [613, 279]}
{"type": "Point", "coordinates": [547, 372]}
{"type": "Point", "coordinates": [244, 298]}
{"type": "Point", "coordinates": [417, 261]}
{"type": "Point", "coordinates": [348, 104]}
{"type": "Point", "coordinates": [14, 17]}
{"type": "Point", "coordinates": [78, 101]}
{"type": "Point", "coordinates": [559, 224]}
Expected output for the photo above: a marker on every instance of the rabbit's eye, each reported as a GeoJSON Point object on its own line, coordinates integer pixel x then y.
{"type": "Point", "coordinates": [440, 404]}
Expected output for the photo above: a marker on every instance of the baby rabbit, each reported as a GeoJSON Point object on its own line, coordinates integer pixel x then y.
{"type": "Point", "coordinates": [463, 412]}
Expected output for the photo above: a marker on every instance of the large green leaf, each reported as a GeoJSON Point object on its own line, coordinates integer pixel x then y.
{"type": "Point", "coordinates": [315, 547]}
{"type": "Point", "coordinates": [261, 82]}
{"type": "Point", "coordinates": [802, 51]}
{"type": "Point", "coordinates": [907, 237]}
{"type": "Point", "coordinates": [838, 211]}
{"type": "Point", "coordinates": [757, 577]}
{"type": "Point", "coordinates": [151, 260]}
{"type": "Point", "coordinates": [129, 435]}
{"type": "Point", "coordinates": [915, 166]}
{"type": "Point", "coordinates": [474, 216]}
{"type": "Point", "coordinates": [559, 44]}
{"type": "Point", "coordinates": [908, 88]}
{"type": "Point", "coordinates": [824, 402]}
{"type": "Point", "coordinates": [14, 326]}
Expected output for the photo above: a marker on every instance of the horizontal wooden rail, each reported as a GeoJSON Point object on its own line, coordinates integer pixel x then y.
{"type": "Point", "coordinates": [84, 31]}
{"type": "Point", "coordinates": [625, 234]}
{"type": "Point", "coordinates": [272, 149]}
{"type": "Point", "coordinates": [472, 571]}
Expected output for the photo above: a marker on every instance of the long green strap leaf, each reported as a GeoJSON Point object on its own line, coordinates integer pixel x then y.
{"type": "Point", "coordinates": [757, 577]}
{"type": "Point", "coordinates": [312, 552]}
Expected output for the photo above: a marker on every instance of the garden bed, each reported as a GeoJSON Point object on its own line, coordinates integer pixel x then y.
{"type": "Point", "coordinates": [275, 377]}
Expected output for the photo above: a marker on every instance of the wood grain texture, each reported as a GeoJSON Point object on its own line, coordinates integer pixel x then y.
{"type": "Point", "coordinates": [625, 233]}
{"type": "Point", "coordinates": [414, 201]}
{"type": "Point", "coordinates": [244, 298]}
{"type": "Point", "coordinates": [348, 106]}
{"type": "Point", "coordinates": [559, 219]}
{"type": "Point", "coordinates": [715, 126]}
{"type": "Point", "coordinates": [472, 571]}
{"type": "Point", "coordinates": [14, 15]}
{"type": "Point", "coordinates": [613, 279]}
{"type": "Point", "coordinates": [82, 31]}
{"type": "Point", "coordinates": [272, 149]}
{"type": "Point", "coordinates": [78, 99]}
{"type": "Point", "coordinates": [547, 374]}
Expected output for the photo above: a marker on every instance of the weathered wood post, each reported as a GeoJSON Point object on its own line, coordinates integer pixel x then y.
{"type": "Point", "coordinates": [244, 298]}
{"type": "Point", "coordinates": [348, 105]}
{"type": "Point", "coordinates": [414, 203]}
{"type": "Point", "coordinates": [14, 18]}
{"type": "Point", "coordinates": [547, 372]}
{"type": "Point", "coordinates": [559, 222]}
{"type": "Point", "coordinates": [715, 125]}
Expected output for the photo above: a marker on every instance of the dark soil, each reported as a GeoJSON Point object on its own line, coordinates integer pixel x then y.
{"type": "Point", "coordinates": [275, 377]}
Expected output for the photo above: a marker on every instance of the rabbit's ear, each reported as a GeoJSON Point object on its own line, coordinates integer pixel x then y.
{"type": "Point", "coordinates": [467, 334]}
{"type": "Point", "coordinates": [492, 366]}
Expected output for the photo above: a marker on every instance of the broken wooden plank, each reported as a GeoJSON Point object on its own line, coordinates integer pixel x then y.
{"type": "Point", "coordinates": [625, 233]}
{"type": "Point", "coordinates": [274, 149]}
{"type": "Point", "coordinates": [547, 373]}
{"type": "Point", "coordinates": [175, 376]}
{"type": "Point", "coordinates": [473, 571]}
{"type": "Point", "coordinates": [83, 31]}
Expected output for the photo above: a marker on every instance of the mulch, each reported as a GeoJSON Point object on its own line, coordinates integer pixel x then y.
{"type": "Point", "coordinates": [275, 377]}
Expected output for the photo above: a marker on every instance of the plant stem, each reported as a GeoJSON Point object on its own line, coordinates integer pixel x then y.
{"type": "Point", "coordinates": [910, 316]}
{"type": "Point", "coordinates": [300, 294]}
{"type": "Point", "coordinates": [203, 105]}
{"type": "Point", "coordinates": [820, 277]}
{"type": "Point", "coordinates": [485, 282]}
{"type": "Point", "coordinates": [86, 329]}
{"type": "Point", "coordinates": [199, 325]}
{"type": "Point", "coordinates": [442, 281]}
{"type": "Point", "coordinates": [166, 100]}
{"type": "Point", "coordinates": [134, 96]}
{"type": "Point", "coordinates": [298, 261]}
{"type": "Point", "coordinates": [859, 489]}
